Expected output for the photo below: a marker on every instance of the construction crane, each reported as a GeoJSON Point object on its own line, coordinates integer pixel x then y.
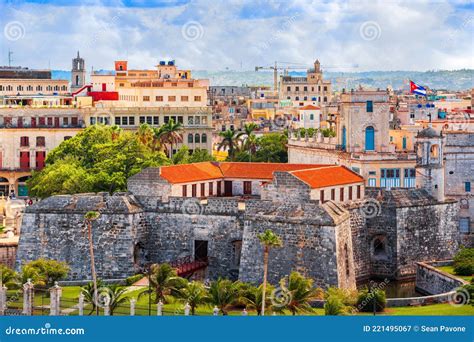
{"type": "Point", "coordinates": [295, 66]}
{"type": "Point", "coordinates": [277, 66]}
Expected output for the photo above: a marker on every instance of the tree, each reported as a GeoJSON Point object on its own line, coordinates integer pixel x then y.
{"type": "Point", "coordinates": [252, 297]}
{"type": "Point", "coordinates": [89, 218]}
{"type": "Point", "coordinates": [7, 276]}
{"type": "Point", "coordinates": [169, 134]}
{"type": "Point", "coordinates": [90, 294]}
{"type": "Point", "coordinates": [163, 280]}
{"type": "Point", "coordinates": [45, 272]}
{"type": "Point", "coordinates": [146, 136]}
{"type": "Point", "coordinates": [269, 240]}
{"type": "Point", "coordinates": [100, 158]}
{"type": "Point", "coordinates": [182, 156]}
{"type": "Point", "coordinates": [230, 141]}
{"type": "Point", "coordinates": [223, 293]}
{"type": "Point", "coordinates": [298, 292]}
{"type": "Point", "coordinates": [194, 293]}
{"type": "Point", "coordinates": [272, 148]}
{"type": "Point", "coordinates": [116, 296]}
{"type": "Point", "coordinates": [250, 142]}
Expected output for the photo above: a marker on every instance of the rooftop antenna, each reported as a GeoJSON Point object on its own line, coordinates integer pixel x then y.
{"type": "Point", "coordinates": [10, 59]}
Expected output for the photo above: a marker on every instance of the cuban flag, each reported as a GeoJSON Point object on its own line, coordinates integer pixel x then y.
{"type": "Point", "coordinates": [417, 89]}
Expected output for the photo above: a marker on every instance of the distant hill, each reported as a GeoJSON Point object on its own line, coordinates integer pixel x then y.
{"type": "Point", "coordinates": [442, 79]}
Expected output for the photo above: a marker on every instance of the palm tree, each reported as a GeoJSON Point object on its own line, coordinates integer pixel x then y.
{"type": "Point", "coordinates": [194, 293]}
{"type": "Point", "coordinates": [89, 296]}
{"type": "Point", "coordinates": [269, 240]}
{"type": "Point", "coordinates": [116, 130]}
{"type": "Point", "coordinates": [116, 296]}
{"type": "Point", "coordinates": [230, 141]}
{"type": "Point", "coordinates": [298, 292]}
{"type": "Point", "coordinates": [252, 297]}
{"type": "Point", "coordinates": [89, 217]}
{"type": "Point", "coordinates": [163, 280]}
{"type": "Point", "coordinates": [145, 135]}
{"type": "Point", "coordinates": [169, 133]}
{"type": "Point", "coordinates": [7, 275]}
{"type": "Point", "coordinates": [223, 293]}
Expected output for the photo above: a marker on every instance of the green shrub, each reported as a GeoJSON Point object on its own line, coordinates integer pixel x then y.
{"type": "Point", "coordinates": [365, 300]}
{"type": "Point", "coordinates": [339, 301]}
{"type": "Point", "coordinates": [133, 279]}
{"type": "Point", "coordinates": [464, 262]}
{"type": "Point", "coordinates": [44, 272]}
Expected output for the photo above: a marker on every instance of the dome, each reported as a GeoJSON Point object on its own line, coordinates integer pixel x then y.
{"type": "Point", "coordinates": [428, 133]}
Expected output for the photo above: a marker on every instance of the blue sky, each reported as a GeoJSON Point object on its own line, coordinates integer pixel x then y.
{"type": "Point", "coordinates": [357, 35]}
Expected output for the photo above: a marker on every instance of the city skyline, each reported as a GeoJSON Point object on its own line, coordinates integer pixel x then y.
{"type": "Point", "coordinates": [345, 36]}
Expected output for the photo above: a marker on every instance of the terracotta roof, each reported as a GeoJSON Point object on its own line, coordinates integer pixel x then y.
{"type": "Point", "coordinates": [186, 173]}
{"type": "Point", "coordinates": [259, 170]}
{"type": "Point", "coordinates": [327, 176]}
{"type": "Point", "coordinates": [310, 107]}
{"type": "Point", "coordinates": [315, 175]}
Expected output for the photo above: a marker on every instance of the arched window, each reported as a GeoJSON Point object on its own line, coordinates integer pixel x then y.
{"type": "Point", "coordinates": [190, 138]}
{"type": "Point", "coordinates": [379, 247]}
{"type": "Point", "coordinates": [204, 138]}
{"type": "Point", "coordinates": [197, 138]}
{"type": "Point", "coordinates": [369, 138]}
{"type": "Point", "coordinates": [434, 151]}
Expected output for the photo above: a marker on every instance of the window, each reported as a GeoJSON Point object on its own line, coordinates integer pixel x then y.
{"type": "Point", "coordinates": [305, 88]}
{"type": "Point", "coordinates": [358, 191]}
{"type": "Point", "coordinates": [236, 252]}
{"type": "Point", "coordinates": [247, 188]}
{"type": "Point", "coordinates": [131, 120]}
{"type": "Point", "coordinates": [203, 189]}
{"type": "Point", "coordinates": [311, 117]}
{"type": "Point", "coordinates": [325, 99]}
{"type": "Point", "coordinates": [464, 225]}
{"type": "Point", "coordinates": [67, 138]}
{"type": "Point", "coordinates": [40, 141]}
{"type": "Point", "coordinates": [219, 188]}
{"type": "Point", "coordinates": [40, 158]}
{"type": "Point", "coordinates": [190, 138]}
{"type": "Point", "coordinates": [156, 120]}
{"type": "Point", "coordinates": [372, 182]}
{"type": "Point", "coordinates": [350, 193]}
{"type": "Point", "coordinates": [184, 98]}
{"type": "Point", "coordinates": [24, 141]}
{"type": "Point", "coordinates": [146, 98]}
{"type": "Point", "coordinates": [341, 194]}
{"type": "Point", "coordinates": [369, 107]}
{"type": "Point", "coordinates": [321, 196]}
{"type": "Point", "coordinates": [297, 88]}
{"type": "Point", "coordinates": [211, 190]}
{"type": "Point", "coordinates": [325, 88]}
{"type": "Point", "coordinates": [117, 120]}
{"type": "Point", "coordinates": [204, 138]}
{"type": "Point", "coordinates": [194, 190]}
{"type": "Point", "coordinates": [185, 191]}
{"type": "Point", "coordinates": [197, 139]}
{"type": "Point", "coordinates": [124, 120]}
{"type": "Point", "coordinates": [180, 119]}
{"type": "Point", "coordinates": [333, 194]}
{"type": "Point", "coordinates": [197, 98]}
{"type": "Point", "coordinates": [159, 98]}
{"type": "Point", "coordinates": [369, 138]}
{"type": "Point", "coordinates": [288, 88]}
{"type": "Point", "coordinates": [190, 120]}
{"type": "Point", "coordinates": [467, 186]}
{"type": "Point", "coordinates": [171, 98]}
{"type": "Point", "coordinates": [149, 120]}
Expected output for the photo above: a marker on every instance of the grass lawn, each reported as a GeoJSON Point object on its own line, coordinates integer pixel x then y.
{"type": "Point", "coordinates": [450, 270]}
{"type": "Point", "coordinates": [70, 296]}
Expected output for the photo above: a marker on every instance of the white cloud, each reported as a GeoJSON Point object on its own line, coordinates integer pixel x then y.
{"type": "Point", "coordinates": [413, 35]}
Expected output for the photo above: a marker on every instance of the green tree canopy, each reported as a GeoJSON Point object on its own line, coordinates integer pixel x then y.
{"type": "Point", "coordinates": [100, 158]}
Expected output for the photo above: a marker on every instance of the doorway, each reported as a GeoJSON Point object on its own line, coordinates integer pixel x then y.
{"type": "Point", "coordinates": [227, 188]}
{"type": "Point", "coordinates": [200, 249]}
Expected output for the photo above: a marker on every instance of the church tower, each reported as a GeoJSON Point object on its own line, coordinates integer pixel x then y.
{"type": "Point", "coordinates": [78, 73]}
{"type": "Point", "coordinates": [429, 162]}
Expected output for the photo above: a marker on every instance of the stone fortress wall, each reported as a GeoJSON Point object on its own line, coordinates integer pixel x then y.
{"type": "Point", "coordinates": [333, 244]}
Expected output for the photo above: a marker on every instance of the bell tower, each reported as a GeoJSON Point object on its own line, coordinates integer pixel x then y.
{"type": "Point", "coordinates": [78, 73]}
{"type": "Point", "coordinates": [429, 162]}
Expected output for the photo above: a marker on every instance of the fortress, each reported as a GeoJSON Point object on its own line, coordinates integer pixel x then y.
{"type": "Point", "coordinates": [333, 229]}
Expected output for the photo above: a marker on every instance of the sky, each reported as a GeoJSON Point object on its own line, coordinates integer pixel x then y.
{"type": "Point", "coordinates": [359, 35]}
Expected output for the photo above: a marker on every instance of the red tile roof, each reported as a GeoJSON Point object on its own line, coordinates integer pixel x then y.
{"type": "Point", "coordinates": [327, 176]}
{"type": "Point", "coordinates": [315, 175]}
{"type": "Point", "coordinates": [259, 170]}
{"type": "Point", "coordinates": [309, 107]}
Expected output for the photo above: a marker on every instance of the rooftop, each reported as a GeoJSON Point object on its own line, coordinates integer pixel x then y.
{"type": "Point", "coordinates": [315, 175]}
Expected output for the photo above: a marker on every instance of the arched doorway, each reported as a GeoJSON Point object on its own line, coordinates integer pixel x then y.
{"type": "Point", "coordinates": [369, 138]}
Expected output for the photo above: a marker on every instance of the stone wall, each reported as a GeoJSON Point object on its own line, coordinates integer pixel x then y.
{"type": "Point", "coordinates": [286, 187]}
{"type": "Point", "coordinates": [432, 281]}
{"type": "Point", "coordinates": [55, 229]}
